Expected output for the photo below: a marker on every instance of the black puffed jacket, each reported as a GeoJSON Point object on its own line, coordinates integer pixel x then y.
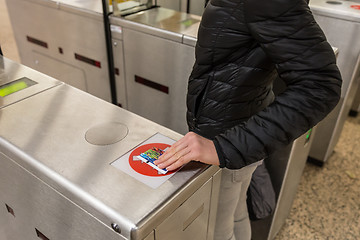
{"type": "Point", "coordinates": [243, 45]}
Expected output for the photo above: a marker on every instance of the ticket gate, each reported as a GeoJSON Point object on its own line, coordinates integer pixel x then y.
{"type": "Point", "coordinates": [67, 168]}
{"type": "Point", "coordinates": [285, 168]}
{"type": "Point", "coordinates": [193, 7]}
{"type": "Point", "coordinates": [64, 39]}
{"type": "Point", "coordinates": [340, 21]}
{"type": "Point", "coordinates": [157, 49]}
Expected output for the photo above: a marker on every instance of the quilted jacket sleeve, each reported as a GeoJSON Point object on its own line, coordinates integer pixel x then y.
{"type": "Point", "coordinates": [289, 35]}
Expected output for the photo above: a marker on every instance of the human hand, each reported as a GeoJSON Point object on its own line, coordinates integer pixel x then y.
{"type": "Point", "coordinates": [192, 147]}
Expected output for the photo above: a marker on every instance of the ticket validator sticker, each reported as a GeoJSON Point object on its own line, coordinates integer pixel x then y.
{"type": "Point", "coordinates": [138, 162]}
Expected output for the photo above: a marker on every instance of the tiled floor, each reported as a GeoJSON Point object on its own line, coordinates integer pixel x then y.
{"type": "Point", "coordinates": [327, 204]}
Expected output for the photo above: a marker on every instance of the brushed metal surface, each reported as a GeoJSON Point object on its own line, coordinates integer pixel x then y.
{"type": "Point", "coordinates": [93, 6]}
{"type": "Point", "coordinates": [10, 71]}
{"type": "Point", "coordinates": [38, 206]}
{"type": "Point", "coordinates": [151, 236]}
{"type": "Point", "coordinates": [213, 204]}
{"type": "Point", "coordinates": [45, 135]}
{"type": "Point", "coordinates": [155, 61]}
{"type": "Point", "coordinates": [161, 22]}
{"type": "Point", "coordinates": [197, 7]}
{"type": "Point", "coordinates": [340, 11]}
{"type": "Point", "coordinates": [75, 27]}
{"type": "Point", "coordinates": [190, 220]}
{"type": "Point", "coordinates": [166, 19]}
{"type": "Point", "coordinates": [173, 4]}
{"type": "Point", "coordinates": [73, 75]}
{"type": "Point", "coordinates": [53, 138]}
{"type": "Point", "coordinates": [106, 133]}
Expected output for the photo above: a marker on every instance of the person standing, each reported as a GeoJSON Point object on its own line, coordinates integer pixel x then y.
{"type": "Point", "coordinates": [234, 119]}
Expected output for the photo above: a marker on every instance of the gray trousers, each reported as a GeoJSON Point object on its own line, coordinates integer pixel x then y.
{"type": "Point", "coordinates": [232, 221]}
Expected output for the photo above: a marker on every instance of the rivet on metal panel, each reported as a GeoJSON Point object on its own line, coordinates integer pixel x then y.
{"type": "Point", "coordinates": [116, 227]}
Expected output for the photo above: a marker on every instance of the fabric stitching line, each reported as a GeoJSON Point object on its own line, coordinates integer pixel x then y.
{"type": "Point", "coordinates": [295, 110]}
{"type": "Point", "coordinates": [302, 52]}
{"type": "Point", "coordinates": [290, 9]}
{"type": "Point", "coordinates": [220, 29]}
{"type": "Point", "coordinates": [227, 109]}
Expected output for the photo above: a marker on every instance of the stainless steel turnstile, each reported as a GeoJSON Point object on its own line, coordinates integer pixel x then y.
{"type": "Point", "coordinates": [158, 52]}
{"type": "Point", "coordinates": [158, 56]}
{"type": "Point", "coordinates": [341, 24]}
{"type": "Point", "coordinates": [190, 6]}
{"type": "Point", "coordinates": [58, 178]}
{"type": "Point", "coordinates": [285, 169]}
{"type": "Point", "coordinates": [64, 39]}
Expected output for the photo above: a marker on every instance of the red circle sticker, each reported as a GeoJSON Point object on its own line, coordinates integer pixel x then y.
{"type": "Point", "coordinates": [355, 7]}
{"type": "Point", "coordinates": [144, 168]}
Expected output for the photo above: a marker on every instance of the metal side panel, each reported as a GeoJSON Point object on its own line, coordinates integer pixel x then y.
{"type": "Point", "coordinates": [190, 220]}
{"type": "Point", "coordinates": [216, 179]}
{"type": "Point", "coordinates": [294, 169]}
{"type": "Point", "coordinates": [157, 69]}
{"type": "Point", "coordinates": [69, 74]}
{"type": "Point", "coordinates": [39, 210]}
{"type": "Point", "coordinates": [151, 236]}
{"type": "Point", "coordinates": [175, 4]}
{"type": "Point", "coordinates": [345, 36]}
{"type": "Point", "coordinates": [197, 7]}
{"type": "Point", "coordinates": [285, 168]}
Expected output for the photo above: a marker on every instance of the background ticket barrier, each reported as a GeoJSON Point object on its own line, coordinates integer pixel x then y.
{"type": "Point", "coordinates": [155, 47]}
{"type": "Point", "coordinates": [69, 168]}
{"type": "Point", "coordinates": [64, 39]}
{"type": "Point", "coordinates": [340, 21]}
{"type": "Point", "coordinates": [285, 168]}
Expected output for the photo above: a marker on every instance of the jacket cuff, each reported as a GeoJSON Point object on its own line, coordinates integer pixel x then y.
{"type": "Point", "coordinates": [220, 153]}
